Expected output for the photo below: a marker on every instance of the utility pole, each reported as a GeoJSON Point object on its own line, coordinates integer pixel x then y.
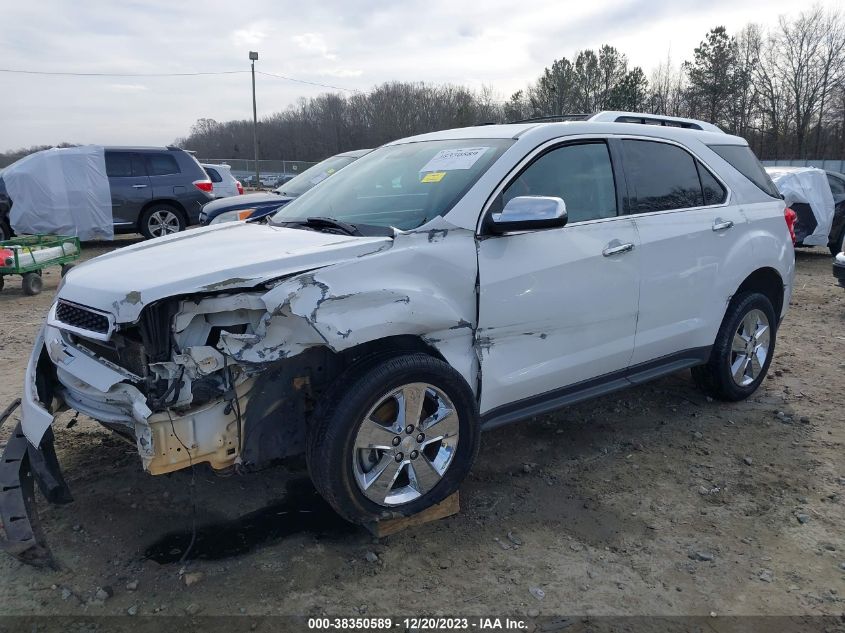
{"type": "Point", "coordinates": [253, 55]}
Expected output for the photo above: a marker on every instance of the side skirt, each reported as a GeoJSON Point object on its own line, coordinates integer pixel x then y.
{"type": "Point", "coordinates": [593, 388]}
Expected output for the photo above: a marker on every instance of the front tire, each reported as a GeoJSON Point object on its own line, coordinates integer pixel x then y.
{"type": "Point", "coordinates": [392, 438]}
{"type": "Point", "coordinates": [743, 349]}
{"type": "Point", "coordinates": [160, 220]}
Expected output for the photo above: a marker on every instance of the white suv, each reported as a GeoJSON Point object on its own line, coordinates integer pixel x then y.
{"type": "Point", "coordinates": [224, 184]}
{"type": "Point", "coordinates": [439, 286]}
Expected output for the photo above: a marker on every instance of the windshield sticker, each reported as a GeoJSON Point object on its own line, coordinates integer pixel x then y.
{"type": "Point", "coordinates": [319, 179]}
{"type": "Point", "coordinates": [458, 158]}
{"type": "Point", "coordinates": [435, 176]}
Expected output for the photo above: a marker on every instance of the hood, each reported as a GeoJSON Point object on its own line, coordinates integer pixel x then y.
{"type": "Point", "coordinates": [233, 203]}
{"type": "Point", "coordinates": [214, 258]}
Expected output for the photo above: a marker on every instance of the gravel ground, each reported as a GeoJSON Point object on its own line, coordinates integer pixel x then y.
{"type": "Point", "coordinates": [651, 501]}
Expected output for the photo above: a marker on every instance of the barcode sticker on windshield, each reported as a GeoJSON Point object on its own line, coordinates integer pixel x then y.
{"type": "Point", "coordinates": [458, 158]}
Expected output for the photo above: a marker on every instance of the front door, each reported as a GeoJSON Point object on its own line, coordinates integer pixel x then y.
{"type": "Point", "coordinates": [558, 307]}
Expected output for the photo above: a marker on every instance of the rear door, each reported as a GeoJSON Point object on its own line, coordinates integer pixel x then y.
{"type": "Point", "coordinates": [129, 184]}
{"type": "Point", "coordinates": [558, 307]}
{"type": "Point", "coordinates": [687, 230]}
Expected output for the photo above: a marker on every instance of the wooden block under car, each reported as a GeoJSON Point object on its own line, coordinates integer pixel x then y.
{"type": "Point", "coordinates": [446, 508]}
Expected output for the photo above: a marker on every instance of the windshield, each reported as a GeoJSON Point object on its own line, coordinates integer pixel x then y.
{"type": "Point", "coordinates": [315, 174]}
{"type": "Point", "coordinates": [402, 186]}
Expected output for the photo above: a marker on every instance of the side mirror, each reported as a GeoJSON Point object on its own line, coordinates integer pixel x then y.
{"type": "Point", "coordinates": [525, 213]}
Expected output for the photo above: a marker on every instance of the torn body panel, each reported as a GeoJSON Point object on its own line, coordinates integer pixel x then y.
{"type": "Point", "coordinates": [181, 379]}
{"type": "Point", "coordinates": [423, 286]}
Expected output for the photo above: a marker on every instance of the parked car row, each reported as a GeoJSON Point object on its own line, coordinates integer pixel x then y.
{"type": "Point", "coordinates": [159, 191]}
{"type": "Point", "coordinates": [255, 206]}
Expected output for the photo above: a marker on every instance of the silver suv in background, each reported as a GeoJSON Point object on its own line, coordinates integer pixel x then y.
{"type": "Point", "coordinates": [155, 190]}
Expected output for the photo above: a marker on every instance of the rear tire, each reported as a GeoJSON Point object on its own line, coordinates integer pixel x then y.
{"type": "Point", "coordinates": [372, 454]}
{"type": "Point", "coordinates": [31, 284]}
{"type": "Point", "coordinates": [838, 245]}
{"type": "Point", "coordinates": [161, 219]}
{"type": "Point", "coordinates": [743, 349]}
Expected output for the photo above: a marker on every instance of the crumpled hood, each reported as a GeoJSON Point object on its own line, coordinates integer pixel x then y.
{"type": "Point", "coordinates": [213, 258]}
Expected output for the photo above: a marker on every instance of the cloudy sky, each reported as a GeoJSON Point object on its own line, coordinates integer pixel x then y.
{"type": "Point", "coordinates": [353, 45]}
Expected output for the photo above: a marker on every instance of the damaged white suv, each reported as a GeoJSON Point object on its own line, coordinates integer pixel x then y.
{"type": "Point", "coordinates": [441, 285]}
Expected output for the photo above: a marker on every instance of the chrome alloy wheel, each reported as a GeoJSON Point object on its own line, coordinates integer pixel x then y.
{"type": "Point", "coordinates": [163, 222]}
{"type": "Point", "coordinates": [750, 348]}
{"type": "Point", "coordinates": [405, 444]}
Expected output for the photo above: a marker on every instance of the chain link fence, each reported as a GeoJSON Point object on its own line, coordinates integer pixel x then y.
{"type": "Point", "coordinates": [269, 170]}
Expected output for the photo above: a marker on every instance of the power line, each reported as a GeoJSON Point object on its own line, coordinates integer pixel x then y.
{"type": "Point", "coordinates": [75, 74]}
{"type": "Point", "coordinates": [303, 81]}
{"type": "Point", "coordinates": [192, 74]}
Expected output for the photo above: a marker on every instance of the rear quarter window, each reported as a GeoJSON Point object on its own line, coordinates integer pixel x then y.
{"type": "Point", "coordinates": [162, 165]}
{"type": "Point", "coordinates": [213, 174]}
{"type": "Point", "coordinates": [745, 162]}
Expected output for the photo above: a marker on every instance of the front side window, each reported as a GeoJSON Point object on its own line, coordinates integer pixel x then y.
{"type": "Point", "coordinates": [660, 177]}
{"type": "Point", "coordinates": [400, 186]}
{"type": "Point", "coordinates": [581, 175]}
{"type": "Point", "coordinates": [162, 165]}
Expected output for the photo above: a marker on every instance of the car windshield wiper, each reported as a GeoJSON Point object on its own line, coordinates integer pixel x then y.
{"type": "Point", "coordinates": [330, 223]}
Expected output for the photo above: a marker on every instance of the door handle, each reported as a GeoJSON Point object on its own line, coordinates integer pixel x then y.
{"type": "Point", "coordinates": [616, 250]}
{"type": "Point", "coordinates": [139, 186]}
{"type": "Point", "coordinates": [722, 225]}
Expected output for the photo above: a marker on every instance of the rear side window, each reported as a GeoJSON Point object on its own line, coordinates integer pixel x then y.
{"type": "Point", "coordinates": [745, 162]}
{"type": "Point", "coordinates": [162, 165]}
{"type": "Point", "coordinates": [660, 177]}
{"type": "Point", "coordinates": [213, 174]}
{"type": "Point", "coordinates": [579, 174]}
{"type": "Point", "coordinates": [124, 165]}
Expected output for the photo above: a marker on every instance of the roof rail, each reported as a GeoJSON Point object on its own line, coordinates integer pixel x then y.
{"type": "Point", "coordinates": [555, 117]}
{"type": "Point", "coordinates": [654, 119]}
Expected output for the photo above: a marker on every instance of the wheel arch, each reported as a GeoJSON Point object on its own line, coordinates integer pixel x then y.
{"type": "Point", "coordinates": [768, 282]}
{"type": "Point", "coordinates": [170, 202]}
{"type": "Point", "coordinates": [277, 415]}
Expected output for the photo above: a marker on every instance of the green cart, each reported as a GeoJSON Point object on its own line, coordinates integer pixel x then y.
{"type": "Point", "coordinates": [28, 255]}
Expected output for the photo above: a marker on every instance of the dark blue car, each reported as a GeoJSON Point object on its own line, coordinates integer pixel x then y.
{"type": "Point", "coordinates": [254, 206]}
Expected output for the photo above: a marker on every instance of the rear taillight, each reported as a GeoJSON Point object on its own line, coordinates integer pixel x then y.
{"type": "Point", "coordinates": [240, 187]}
{"type": "Point", "coordinates": [204, 185]}
{"type": "Point", "coordinates": [790, 216]}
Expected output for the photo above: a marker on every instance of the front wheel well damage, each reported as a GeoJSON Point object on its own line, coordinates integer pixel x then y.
{"type": "Point", "coordinates": [286, 394]}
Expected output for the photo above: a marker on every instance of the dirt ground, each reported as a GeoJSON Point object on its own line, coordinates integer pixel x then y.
{"type": "Point", "coordinates": [651, 501]}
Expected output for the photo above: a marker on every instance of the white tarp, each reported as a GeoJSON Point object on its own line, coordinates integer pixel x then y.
{"type": "Point", "coordinates": [807, 185]}
{"type": "Point", "coordinates": [61, 192]}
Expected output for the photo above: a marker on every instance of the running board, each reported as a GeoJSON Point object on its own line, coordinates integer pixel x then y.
{"type": "Point", "coordinates": [21, 465]}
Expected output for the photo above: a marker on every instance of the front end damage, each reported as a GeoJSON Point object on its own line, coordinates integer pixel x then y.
{"type": "Point", "coordinates": [227, 373]}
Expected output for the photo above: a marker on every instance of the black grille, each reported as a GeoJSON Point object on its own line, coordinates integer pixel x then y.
{"type": "Point", "coordinates": [82, 318]}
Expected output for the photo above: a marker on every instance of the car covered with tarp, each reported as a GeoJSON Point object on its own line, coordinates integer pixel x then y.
{"type": "Point", "coordinates": [806, 191]}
